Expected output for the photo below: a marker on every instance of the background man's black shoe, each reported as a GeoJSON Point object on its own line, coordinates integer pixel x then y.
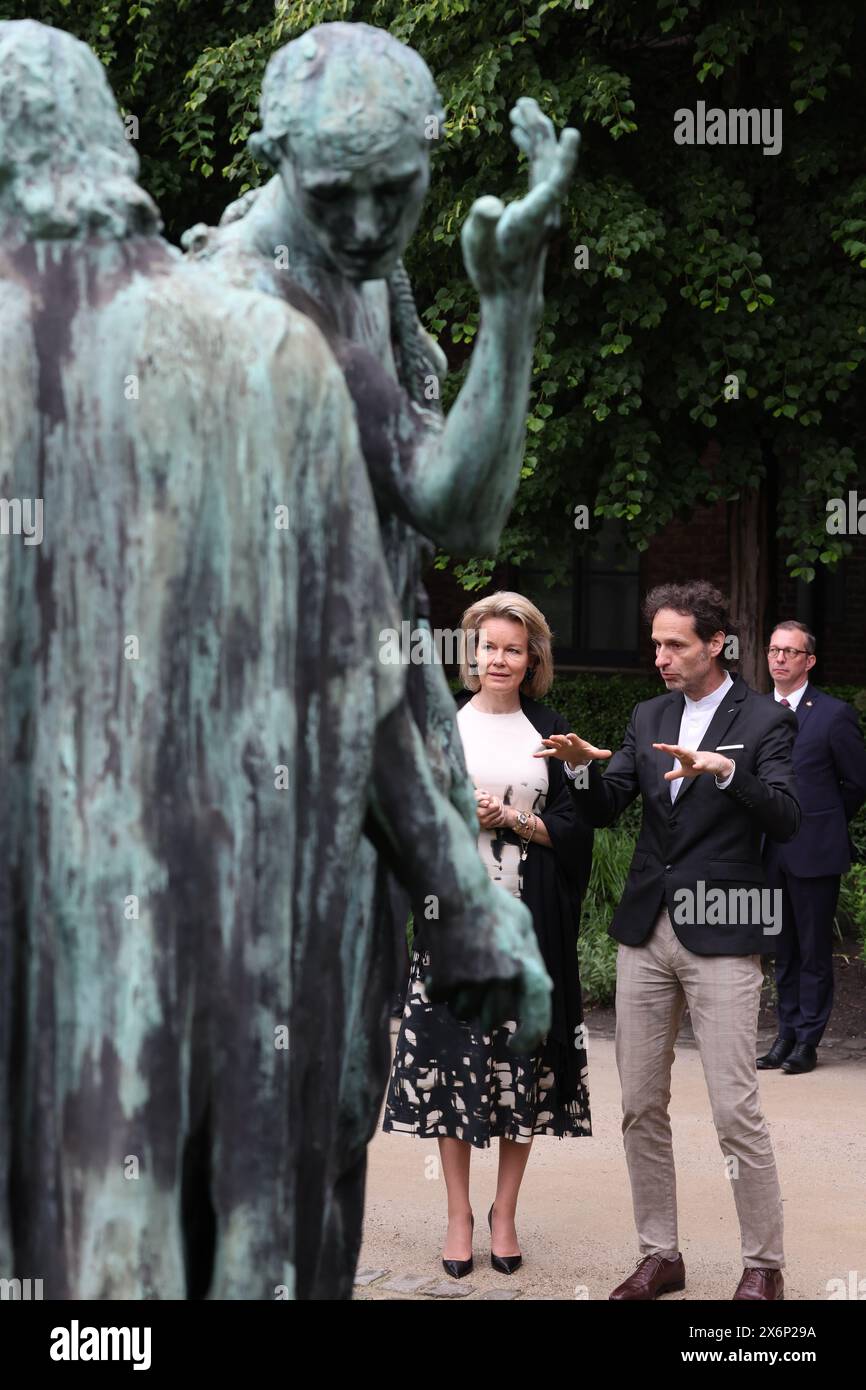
{"type": "Point", "coordinates": [776, 1055]}
{"type": "Point", "coordinates": [802, 1058]}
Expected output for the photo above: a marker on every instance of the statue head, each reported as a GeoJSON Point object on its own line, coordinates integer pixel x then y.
{"type": "Point", "coordinates": [66, 167]}
{"type": "Point", "coordinates": [348, 118]}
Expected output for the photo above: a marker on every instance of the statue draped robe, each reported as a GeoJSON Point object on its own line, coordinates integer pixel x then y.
{"type": "Point", "coordinates": [393, 428]}
{"type": "Point", "coordinates": [190, 695]}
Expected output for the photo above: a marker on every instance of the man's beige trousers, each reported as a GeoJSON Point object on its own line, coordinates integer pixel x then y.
{"type": "Point", "coordinates": [654, 984]}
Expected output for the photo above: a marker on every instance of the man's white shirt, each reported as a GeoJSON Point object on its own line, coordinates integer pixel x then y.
{"type": "Point", "coordinates": [793, 699]}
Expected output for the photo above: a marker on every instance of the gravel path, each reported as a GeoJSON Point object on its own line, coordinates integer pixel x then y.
{"type": "Point", "coordinates": [575, 1220]}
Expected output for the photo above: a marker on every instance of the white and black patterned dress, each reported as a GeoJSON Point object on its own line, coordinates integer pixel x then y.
{"type": "Point", "coordinates": [449, 1079]}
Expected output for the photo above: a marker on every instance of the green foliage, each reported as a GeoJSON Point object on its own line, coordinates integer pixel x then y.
{"type": "Point", "coordinates": [703, 261]}
{"type": "Point", "coordinates": [596, 949]}
{"type": "Point", "coordinates": [599, 706]}
{"type": "Point", "coordinates": [189, 70]}
{"type": "Point", "coordinates": [852, 903]}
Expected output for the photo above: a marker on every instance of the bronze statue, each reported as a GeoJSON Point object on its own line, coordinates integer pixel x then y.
{"type": "Point", "coordinates": [195, 725]}
{"type": "Point", "coordinates": [348, 118]}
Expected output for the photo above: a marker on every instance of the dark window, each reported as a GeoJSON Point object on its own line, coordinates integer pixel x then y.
{"type": "Point", "coordinates": [833, 584]}
{"type": "Point", "coordinates": [596, 617]}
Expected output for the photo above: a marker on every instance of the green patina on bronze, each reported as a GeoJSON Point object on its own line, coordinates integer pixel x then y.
{"type": "Point", "coordinates": [165, 412]}
{"type": "Point", "coordinates": [348, 114]}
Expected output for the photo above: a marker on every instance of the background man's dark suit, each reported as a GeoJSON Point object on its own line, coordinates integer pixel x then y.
{"type": "Point", "coordinates": [830, 767]}
{"type": "Point", "coordinates": [706, 833]}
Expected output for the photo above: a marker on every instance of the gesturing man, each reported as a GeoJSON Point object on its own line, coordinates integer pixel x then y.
{"type": "Point", "coordinates": [830, 764]}
{"type": "Point", "coordinates": [711, 760]}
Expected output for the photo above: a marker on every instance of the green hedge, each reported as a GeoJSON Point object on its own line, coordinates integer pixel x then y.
{"type": "Point", "coordinates": [596, 948]}
{"type": "Point", "coordinates": [599, 707]}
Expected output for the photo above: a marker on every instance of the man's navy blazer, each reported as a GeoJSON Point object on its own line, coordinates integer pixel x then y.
{"type": "Point", "coordinates": [830, 767]}
{"type": "Point", "coordinates": [708, 835]}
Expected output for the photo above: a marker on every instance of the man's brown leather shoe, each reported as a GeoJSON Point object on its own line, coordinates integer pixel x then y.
{"type": "Point", "coordinates": [766, 1285]}
{"type": "Point", "coordinates": [654, 1275]}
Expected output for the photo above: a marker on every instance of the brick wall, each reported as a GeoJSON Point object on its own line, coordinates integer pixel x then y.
{"type": "Point", "coordinates": [698, 549]}
{"type": "Point", "coordinates": [692, 549]}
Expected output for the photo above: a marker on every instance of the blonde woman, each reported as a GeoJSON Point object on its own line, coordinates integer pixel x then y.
{"type": "Point", "coordinates": [450, 1081]}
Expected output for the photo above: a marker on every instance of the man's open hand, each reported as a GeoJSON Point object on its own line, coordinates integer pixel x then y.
{"type": "Point", "coordinates": [693, 762]}
{"type": "Point", "coordinates": [570, 749]}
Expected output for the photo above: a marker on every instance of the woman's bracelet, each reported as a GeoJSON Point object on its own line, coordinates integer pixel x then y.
{"type": "Point", "coordinates": [526, 838]}
{"type": "Point", "coordinates": [521, 832]}
{"type": "Point", "coordinates": [516, 826]}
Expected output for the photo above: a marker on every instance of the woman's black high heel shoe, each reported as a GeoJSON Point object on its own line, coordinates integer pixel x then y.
{"type": "Point", "coordinates": [503, 1264]}
{"type": "Point", "coordinates": [458, 1269]}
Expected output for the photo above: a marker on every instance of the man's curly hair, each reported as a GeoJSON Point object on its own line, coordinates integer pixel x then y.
{"type": "Point", "coordinates": [701, 601]}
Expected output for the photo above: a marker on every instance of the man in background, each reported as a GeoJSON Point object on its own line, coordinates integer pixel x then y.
{"type": "Point", "coordinates": [830, 767]}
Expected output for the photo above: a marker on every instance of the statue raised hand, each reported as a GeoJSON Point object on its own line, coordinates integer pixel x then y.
{"type": "Point", "coordinates": [504, 245]}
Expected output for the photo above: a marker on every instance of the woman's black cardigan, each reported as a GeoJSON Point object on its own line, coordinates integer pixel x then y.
{"type": "Point", "coordinates": [554, 883]}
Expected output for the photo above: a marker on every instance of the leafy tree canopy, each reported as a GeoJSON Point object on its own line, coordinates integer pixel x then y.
{"type": "Point", "coordinates": [703, 262]}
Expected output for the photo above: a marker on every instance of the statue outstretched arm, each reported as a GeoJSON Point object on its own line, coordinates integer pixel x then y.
{"type": "Point", "coordinates": [465, 477]}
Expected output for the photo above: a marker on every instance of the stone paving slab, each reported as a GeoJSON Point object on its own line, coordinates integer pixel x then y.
{"type": "Point", "coordinates": [451, 1288]}
{"type": "Point", "coordinates": [369, 1276]}
{"type": "Point", "coordinates": [407, 1283]}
